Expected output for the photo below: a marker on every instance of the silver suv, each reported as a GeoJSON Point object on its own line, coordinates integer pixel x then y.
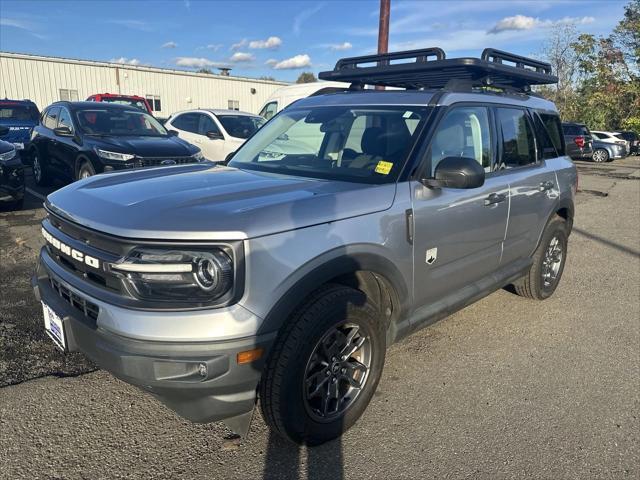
{"type": "Point", "coordinates": [348, 221]}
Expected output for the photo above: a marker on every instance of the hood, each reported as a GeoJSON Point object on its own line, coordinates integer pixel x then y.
{"type": "Point", "coordinates": [204, 202]}
{"type": "Point", "coordinates": [19, 130]}
{"type": "Point", "coordinates": [166, 146]}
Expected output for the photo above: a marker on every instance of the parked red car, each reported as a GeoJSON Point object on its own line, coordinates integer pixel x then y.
{"type": "Point", "coordinates": [132, 100]}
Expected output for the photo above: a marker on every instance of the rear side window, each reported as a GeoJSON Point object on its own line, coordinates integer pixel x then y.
{"type": "Point", "coordinates": [51, 118]}
{"type": "Point", "coordinates": [518, 144]}
{"type": "Point", "coordinates": [21, 113]}
{"type": "Point", "coordinates": [553, 128]}
{"type": "Point", "coordinates": [189, 122]}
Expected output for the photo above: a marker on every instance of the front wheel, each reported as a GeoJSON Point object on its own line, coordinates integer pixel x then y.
{"type": "Point", "coordinates": [325, 366]}
{"type": "Point", "coordinates": [600, 155]}
{"type": "Point", "coordinates": [548, 263]}
{"type": "Point", "coordinates": [86, 170]}
{"type": "Point", "coordinates": [39, 168]}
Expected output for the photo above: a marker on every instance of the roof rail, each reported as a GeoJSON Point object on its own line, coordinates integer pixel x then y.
{"type": "Point", "coordinates": [430, 69]}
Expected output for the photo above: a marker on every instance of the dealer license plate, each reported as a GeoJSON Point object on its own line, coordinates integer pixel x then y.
{"type": "Point", "coordinates": [53, 326]}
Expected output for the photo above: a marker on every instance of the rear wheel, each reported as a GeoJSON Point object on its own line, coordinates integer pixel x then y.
{"type": "Point", "coordinates": [325, 366]}
{"type": "Point", "coordinates": [600, 155]}
{"type": "Point", "coordinates": [40, 169]}
{"type": "Point", "coordinates": [548, 263]}
{"type": "Point", "coordinates": [85, 170]}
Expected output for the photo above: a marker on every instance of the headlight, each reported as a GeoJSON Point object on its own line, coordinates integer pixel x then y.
{"type": "Point", "coordinates": [198, 156]}
{"type": "Point", "coordinates": [8, 155]}
{"type": "Point", "coordinates": [114, 155]}
{"type": "Point", "coordinates": [183, 276]}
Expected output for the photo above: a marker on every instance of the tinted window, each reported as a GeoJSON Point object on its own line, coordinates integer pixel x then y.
{"type": "Point", "coordinates": [118, 122]}
{"type": "Point", "coordinates": [65, 119]}
{"type": "Point", "coordinates": [518, 145]}
{"type": "Point", "coordinates": [206, 124]}
{"type": "Point", "coordinates": [311, 142]}
{"type": "Point", "coordinates": [463, 132]}
{"type": "Point", "coordinates": [21, 113]}
{"type": "Point", "coordinates": [269, 110]}
{"type": "Point", "coordinates": [240, 126]}
{"type": "Point", "coordinates": [554, 131]}
{"type": "Point", "coordinates": [189, 122]}
{"type": "Point", "coordinates": [51, 118]}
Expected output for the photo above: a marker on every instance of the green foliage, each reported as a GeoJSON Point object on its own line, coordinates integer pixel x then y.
{"type": "Point", "coordinates": [599, 82]}
{"type": "Point", "coordinates": [204, 70]}
{"type": "Point", "coordinates": [306, 77]}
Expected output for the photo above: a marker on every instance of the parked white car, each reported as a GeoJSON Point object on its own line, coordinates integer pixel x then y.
{"type": "Point", "coordinates": [216, 132]}
{"type": "Point", "coordinates": [610, 137]}
{"type": "Point", "coordinates": [287, 95]}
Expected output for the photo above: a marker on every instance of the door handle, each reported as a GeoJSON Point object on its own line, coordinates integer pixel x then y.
{"type": "Point", "coordinates": [544, 186]}
{"type": "Point", "coordinates": [494, 198]}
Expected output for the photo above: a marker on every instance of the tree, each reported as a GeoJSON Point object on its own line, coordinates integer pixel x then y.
{"type": "Point", "coordinates": [204, 70]}
{"type": "Point", "coordinates": [306, 77]}
{"type": "Point", "coordinates": [627, 33]}
{"type": "Point", "coordinates": [267, 77]}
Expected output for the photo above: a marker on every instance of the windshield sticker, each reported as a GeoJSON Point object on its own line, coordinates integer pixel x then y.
{"type": "Point", "coordinates": [383, 167]}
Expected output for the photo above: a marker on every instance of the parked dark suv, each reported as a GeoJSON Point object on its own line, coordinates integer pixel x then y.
{"type": "Point", "coordinates": [634, 141]}
{"type": "Point", "coordinates": [19, 116]}
{"type": "Point", "coordinates": [79, 139]}
{"type": "Point", "coordinates": [578, 141]}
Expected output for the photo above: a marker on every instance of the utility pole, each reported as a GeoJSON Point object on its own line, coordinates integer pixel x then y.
{"type": "Point", "coordinates": [383, 30]}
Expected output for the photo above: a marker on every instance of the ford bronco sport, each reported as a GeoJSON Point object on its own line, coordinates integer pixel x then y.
{"type": "Point", "coordinates": [348, 221]}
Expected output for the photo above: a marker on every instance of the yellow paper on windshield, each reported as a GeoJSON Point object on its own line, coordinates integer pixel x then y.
{"type": "Point", "coordinates": [383, 167]}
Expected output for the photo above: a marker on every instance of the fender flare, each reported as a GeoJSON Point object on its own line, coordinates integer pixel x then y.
{"type": "Point", "coordinates": [336, 264]}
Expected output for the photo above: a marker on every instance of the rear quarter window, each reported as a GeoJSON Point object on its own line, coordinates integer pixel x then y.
{"type": "Point", "coordinates": [552, 129]}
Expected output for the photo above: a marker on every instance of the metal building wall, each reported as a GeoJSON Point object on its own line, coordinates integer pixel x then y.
{"type": "Point", "coordinates": [41, 78]}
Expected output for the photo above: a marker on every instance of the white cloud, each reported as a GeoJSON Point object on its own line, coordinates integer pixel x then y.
{"type": "Point", "coordinates": [214, 46]}
{"type": "Point", "coordinates": [304, 15]}
{"type": "Point", "coordinates": [241, 44]}
{"type": "Point", "coordinates": [125, 61]}
{"type": "Point", "coordinates": [340, 46]}
{"type": "Point", "coordinates": [299, 61]}
{"type": "Point", "coordinates": [271, 42]}
{"type": "Point", "coordinates": [242, 57]}
{"type": "Point", "coordinates": [271, 62]}
{"type": "Point", "coordinates": [169, 45]}
{"type": "Point", "coordinates": [197, 62]}
{"type": "Point", "coordinates": [523, 22]}
{"type": "Point", "coordinates": [132, 24]}
{"type": "Point", "coordinates": [21, 25]}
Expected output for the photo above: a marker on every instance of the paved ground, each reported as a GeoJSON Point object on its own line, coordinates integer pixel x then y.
{"type": "Point", "coordinates": [507, 388]}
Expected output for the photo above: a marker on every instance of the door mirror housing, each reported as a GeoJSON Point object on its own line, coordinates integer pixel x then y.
{"type": "Point", "coordinates": [4, 131]}
{"type": "Point", "coordinates": [213, 135]}
{"type": "Point", "coordinates": [457, 172]}
{"type": "Point", "coordinates": [63, 132]}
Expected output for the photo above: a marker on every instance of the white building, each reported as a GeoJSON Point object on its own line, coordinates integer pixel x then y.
{"type": "Point", "coordinates": [48, 79]}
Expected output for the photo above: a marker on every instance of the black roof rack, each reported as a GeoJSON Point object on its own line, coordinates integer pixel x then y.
{"type": "Point", "coordinates": [429, 68]}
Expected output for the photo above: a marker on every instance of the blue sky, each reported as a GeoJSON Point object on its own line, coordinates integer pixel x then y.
{"type": "Point", "coordinates": [282, 38]}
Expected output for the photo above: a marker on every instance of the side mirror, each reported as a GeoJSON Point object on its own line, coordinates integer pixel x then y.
{"type": "Point", "coordinates": [457, 172]}
{"type": "Point", "coordinates": [63, 132]}
{"type": "Point", "coordinates": [213, 135]}
{"type": "Point", "coordinates": [4, 131]}
{"type": "Point", "coordinates": [172, 133]}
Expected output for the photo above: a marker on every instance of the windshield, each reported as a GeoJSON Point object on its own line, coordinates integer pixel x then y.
{"type": "Point", "coordinates": [130, 102]}
{"type": "Point", "coordinates": [22, 113]}
{"type": "Point", "coordinates": [360, 144]}
{"type": "Point", "coordinates": [241, 126]}
{"type": "Point", "coordinates": [118, 122]}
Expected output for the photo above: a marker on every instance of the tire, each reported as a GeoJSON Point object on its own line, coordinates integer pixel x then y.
{"type": "Point", "coordinates": [85, 170]}
{"type": "Point", "coordinates": [545, 273]}
{"type": "Point", "coordinates": [600, 155]}
{"type": "Point", "coordinates": [328, 317]}
{"type": "Point", "coordinates": [39, 168]}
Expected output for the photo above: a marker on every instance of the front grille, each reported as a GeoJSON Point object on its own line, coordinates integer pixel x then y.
{"type": "Point", "coordinates": [141, 162]}
{"type": "Point", "coordinates": [89, 309]}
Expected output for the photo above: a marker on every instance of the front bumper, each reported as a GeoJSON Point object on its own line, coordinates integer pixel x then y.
{"type": "Point", "coordinates": [12, 181]}
{"type": "Point", "coordinates": [171, 371]}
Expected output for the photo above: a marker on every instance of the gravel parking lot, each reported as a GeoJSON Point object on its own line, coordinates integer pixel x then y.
{"type": "Point", "coordinates": [506, 388]}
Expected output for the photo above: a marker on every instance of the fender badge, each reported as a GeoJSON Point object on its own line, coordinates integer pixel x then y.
{"type": "Point", "coordinates": [431, 256]}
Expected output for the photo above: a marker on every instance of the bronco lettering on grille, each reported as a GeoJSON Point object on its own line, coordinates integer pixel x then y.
{"type": "Point", "coordinates": [71, 252]}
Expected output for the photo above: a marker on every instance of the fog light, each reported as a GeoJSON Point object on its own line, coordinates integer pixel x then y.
{"type": "Point", "coordinates": [202, 369]}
